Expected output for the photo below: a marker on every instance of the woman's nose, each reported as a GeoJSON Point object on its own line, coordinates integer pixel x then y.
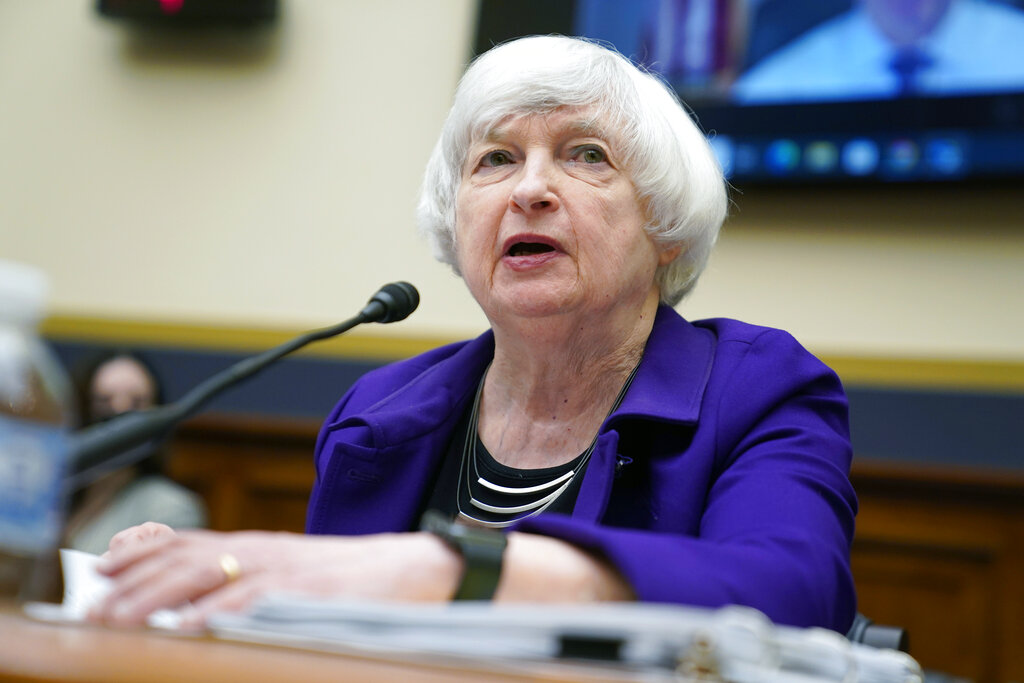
{"type": "Point", "coordinates": [534, 190]}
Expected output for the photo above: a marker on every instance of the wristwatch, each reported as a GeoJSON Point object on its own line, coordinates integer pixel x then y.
{"type": "Point", "coordinates": [481, 551]}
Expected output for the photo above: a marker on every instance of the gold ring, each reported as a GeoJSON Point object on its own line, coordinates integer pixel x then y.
{"type": "Point", "coordinates": [230, 566]}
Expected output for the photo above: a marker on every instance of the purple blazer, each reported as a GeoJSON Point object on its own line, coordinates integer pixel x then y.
{"type": "Point", "coordinates": [722, 478]}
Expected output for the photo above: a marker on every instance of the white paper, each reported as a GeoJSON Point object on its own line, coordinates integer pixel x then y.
{"type": "Point", "coordinates": [85, 586]}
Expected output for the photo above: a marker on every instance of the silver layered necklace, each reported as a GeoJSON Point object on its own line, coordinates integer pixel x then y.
{"type": "Point", "coordinates": [535, 498]}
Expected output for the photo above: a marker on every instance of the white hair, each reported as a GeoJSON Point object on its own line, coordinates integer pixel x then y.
{"type": "Point", "coordinates": [669, 161]}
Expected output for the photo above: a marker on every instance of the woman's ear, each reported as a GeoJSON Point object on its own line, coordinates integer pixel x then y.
{"type": "Point", "coordinates": [667, 255]}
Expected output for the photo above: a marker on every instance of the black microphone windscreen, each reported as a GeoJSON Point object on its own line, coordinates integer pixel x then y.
{"type": "Point", "coordinates": [396, 300]}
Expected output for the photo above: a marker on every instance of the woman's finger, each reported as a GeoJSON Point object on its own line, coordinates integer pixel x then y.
{"type": "Point", "coordinates": [139, 532]}
{"type": "Point", "coordinates": [134, 547]}
{"type": "Point", "coordinates": [162, 583]}
{"type": "Point", "coordinates": [163, 570]}
{"type": "Point", "coordinates": [148, 570]}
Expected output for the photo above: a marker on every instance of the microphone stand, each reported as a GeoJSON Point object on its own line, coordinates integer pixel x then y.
{"type": "Point", "coordinates": [80, 478]}
{"type": "Point", "coordinates": [131, 436]}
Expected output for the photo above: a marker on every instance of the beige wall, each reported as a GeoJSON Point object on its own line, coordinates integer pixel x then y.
{"type": "Point", "coordinates": [271, 180]}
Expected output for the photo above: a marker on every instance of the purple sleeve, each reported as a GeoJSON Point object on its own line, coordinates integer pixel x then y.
{"type": "Point", "coordinates": [779, 513]}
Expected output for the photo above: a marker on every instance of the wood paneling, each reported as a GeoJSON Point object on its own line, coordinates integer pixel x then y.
{"type": "Point", "coordinates": [253, 473]}
{"type": "Point", "coordinates": [939, 551]}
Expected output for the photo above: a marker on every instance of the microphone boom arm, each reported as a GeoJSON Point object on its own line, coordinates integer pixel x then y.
{"type": "Point", "coordinates": [91, 448]}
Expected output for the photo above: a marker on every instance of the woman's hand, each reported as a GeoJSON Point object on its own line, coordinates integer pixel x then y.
{"type": "Point", "coordinates": [154, 569]}
{"type": "Point", "coordinates": [137, 534]}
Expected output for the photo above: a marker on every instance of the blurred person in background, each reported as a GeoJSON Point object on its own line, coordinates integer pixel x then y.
{"type": "Point", "coordinates": [894, 48]}
{"type": "Point", "coordinates": [109, 384]}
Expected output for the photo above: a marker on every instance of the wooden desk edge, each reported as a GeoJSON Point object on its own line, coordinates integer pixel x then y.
{"type": "Point", "coordinates": [37, 652]}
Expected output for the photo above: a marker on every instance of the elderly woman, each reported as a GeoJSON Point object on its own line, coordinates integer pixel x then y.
{"type": "Point", "coordinates": [620, 451]}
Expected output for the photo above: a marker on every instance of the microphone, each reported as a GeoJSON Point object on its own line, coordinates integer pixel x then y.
{"type": "Point", "coordinates": [392, 303]}
{"type": "Point", "coordinates": [104, 447]}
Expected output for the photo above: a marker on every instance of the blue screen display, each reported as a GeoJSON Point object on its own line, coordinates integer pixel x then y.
{"type": "Point", "coordinates": [836, 90]}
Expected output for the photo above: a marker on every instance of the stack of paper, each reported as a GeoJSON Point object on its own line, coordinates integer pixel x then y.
{"type": "Point", "coordinates": [652, 641]}
{"type": "Point", "coordinates": [732, 643]}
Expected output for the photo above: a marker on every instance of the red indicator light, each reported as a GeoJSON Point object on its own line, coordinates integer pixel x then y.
{"type": "Point", "coordinates": [171, 6]}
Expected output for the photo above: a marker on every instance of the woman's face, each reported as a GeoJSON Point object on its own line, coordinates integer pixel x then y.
{"type": "Point", "coordinates": [120, 385]}
{"type": "Point", "coordinates": [548, 221]}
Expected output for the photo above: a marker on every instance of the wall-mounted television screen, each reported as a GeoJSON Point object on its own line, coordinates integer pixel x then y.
{"type": "Point", "coordinates": [821, 91]}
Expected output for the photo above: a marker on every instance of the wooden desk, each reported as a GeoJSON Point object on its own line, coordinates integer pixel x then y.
{"type": "Point", "coordinates": [938, 550]}
{"type": "Point", "coordinates": [38, 652]}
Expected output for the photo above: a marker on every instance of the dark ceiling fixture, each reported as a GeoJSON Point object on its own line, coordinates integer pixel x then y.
{"type": "Point", "coordinates": [191, 12]}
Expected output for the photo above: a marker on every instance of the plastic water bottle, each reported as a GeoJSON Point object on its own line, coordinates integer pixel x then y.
{"type": "Point", "coordinates": [36, 416]}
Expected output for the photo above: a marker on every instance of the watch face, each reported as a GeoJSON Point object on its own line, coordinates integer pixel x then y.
{"type": "Point", "coordinates": [482, 551]}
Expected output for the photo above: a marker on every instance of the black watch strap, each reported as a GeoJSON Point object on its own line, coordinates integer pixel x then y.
{"type": "Point", "coordinates": [481, 549]}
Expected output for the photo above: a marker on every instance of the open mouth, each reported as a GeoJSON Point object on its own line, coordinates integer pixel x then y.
{"type": "Point", "coordinates": [529, 248]}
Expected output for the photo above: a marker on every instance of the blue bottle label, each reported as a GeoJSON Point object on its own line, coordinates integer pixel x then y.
{"type": "Point", "coordinates": [33, 458]}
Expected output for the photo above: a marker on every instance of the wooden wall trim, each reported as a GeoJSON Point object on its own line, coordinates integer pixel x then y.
{"type": "Point", "coordinates": [1001, 376]}
{"type": "Point", "coordinates": [938, 480]}
{"type": "Point", "coordinates": [911, 373]}
{"type": "Point", "coordinates": [253, 427]}
{"type": "Point", "coordinates": [110, 331]}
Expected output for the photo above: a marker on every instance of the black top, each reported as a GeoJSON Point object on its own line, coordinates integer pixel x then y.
{"type": "Point", "coordinates": [442, 498]}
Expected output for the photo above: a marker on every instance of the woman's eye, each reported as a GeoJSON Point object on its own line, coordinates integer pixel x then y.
{"type": "Point", "coordinates": [591, 155]}
{"type": "Point", "coordinates": [496, 158]}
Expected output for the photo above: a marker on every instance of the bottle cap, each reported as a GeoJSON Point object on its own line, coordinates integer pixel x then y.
{"type": "Point", "coordinates": [23, 291]}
